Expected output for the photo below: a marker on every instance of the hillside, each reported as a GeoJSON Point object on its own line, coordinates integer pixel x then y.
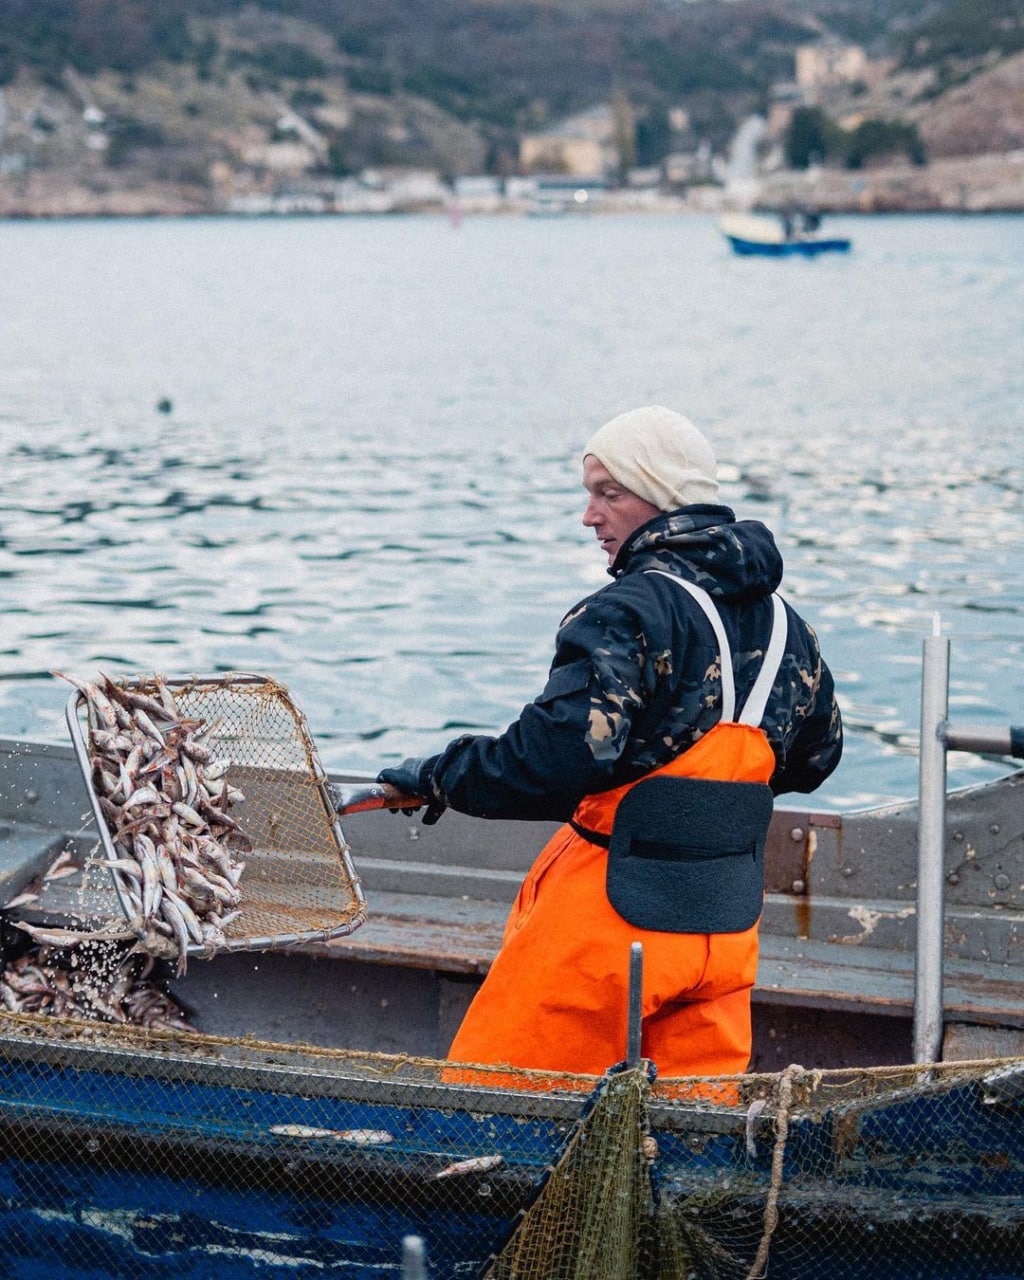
{"type": "Point", "coordinates": [127, 106]}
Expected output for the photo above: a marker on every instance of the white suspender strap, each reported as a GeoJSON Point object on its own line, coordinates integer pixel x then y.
{"type": "Point", "coordinates": [725, 653]}
{"type": "Point", "coordinates": [757, 700]}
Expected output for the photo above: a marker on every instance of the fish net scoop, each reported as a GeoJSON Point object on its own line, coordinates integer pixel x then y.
{"type": "Point", "coordinates": [214, 814]}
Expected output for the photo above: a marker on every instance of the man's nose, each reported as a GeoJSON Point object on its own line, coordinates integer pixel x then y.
{"type": "Point", "coordinates": [590, 515]}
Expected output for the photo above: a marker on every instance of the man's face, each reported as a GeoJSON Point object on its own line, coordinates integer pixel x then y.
{"type": "Point", "coordinates": [612, 511]}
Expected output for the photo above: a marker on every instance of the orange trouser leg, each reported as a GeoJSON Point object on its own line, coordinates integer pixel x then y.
{"type": "Point", "coordinates": [700, 1037]}
{"type": "Point", "coordinates": [556, 996]}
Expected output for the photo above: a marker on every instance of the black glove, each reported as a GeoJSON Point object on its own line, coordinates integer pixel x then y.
{"type": "Point", "coordinates": [413, 778]}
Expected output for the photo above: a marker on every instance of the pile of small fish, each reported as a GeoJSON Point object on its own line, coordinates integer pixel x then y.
{"type": "Point", "coordinates": [112, 986]}
{"type": "Point", "coordinates": [165, 798]}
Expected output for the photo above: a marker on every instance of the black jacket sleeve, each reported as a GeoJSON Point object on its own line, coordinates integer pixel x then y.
{"type": "Point", "coordinates": [809, 745]}
{"type": "Point", "coordinates": [565, 744]}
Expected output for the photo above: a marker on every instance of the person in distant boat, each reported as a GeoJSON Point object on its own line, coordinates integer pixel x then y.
{"type": "Point", "coordinates": [810, 221]}
{"type": "Point", "coordinates": [653, 692]}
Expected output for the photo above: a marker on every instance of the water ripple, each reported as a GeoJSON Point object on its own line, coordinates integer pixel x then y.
{"type": "Point", "coordinates": [372, 492]}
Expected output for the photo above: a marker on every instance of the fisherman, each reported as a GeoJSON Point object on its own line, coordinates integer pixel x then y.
{"type": "Point", "coordinates": [643, 706]}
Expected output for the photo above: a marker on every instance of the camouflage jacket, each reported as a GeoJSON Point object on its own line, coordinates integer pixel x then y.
{"type": "Point", "coordinates": [636, 678]}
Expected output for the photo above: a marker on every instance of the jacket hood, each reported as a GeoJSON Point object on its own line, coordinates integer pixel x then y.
{"type": "Point", "coordinates": [731, 559]}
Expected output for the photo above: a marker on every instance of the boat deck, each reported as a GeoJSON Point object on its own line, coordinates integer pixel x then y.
{"type": "Point", "coordinates": [837, 938]}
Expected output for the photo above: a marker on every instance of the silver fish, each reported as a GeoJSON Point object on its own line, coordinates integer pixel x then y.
{"type": "Point", "coordinates": [301, 1131]}
{"type": "Point", "coordinates": [21, 900]}
{"type": "Point", "coordinates": [71, 937]}
{"type": "Point", "coordinates": [107, 741]}
{"type": "Point", "coordinates": [95, 697]}
{"type": "Point", "coordinates": [165, 864]}
{"type": "Point", "coordinates": [475, 1164]}
{"type": "Point", "coordinates": [192, 924]}
{"type": "Point", "coordinates": [188, 814]}
{"type": "Point", "coordinates": [176, 920]}
{"type": "Point", "coordinates": [361, 1137]}
{"type": "Point", "coordinates": [123, 867]}
{"type": "Point", "coordinates": [154, 708]}
{"type": "Point", "coordinates": [365, 1137]}
{"type": "Point", "coordinates": [146, 794]}
{"type": "Point", "coordinates": [148, 727]}
{"type": "Point", "coordinates": [753, 1112]}
{"type": "Point", "coordinates": [62, 866]}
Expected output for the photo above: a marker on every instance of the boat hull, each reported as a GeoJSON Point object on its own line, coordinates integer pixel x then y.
{"type": "Point", "coordinates": [133, 1153]}
{"type": "Point", "coordinates": [788, 248]}
{"type": "Point", "coordinates": [161, 1160]}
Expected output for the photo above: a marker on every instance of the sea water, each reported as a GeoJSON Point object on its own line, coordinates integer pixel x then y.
{"type": "Point", "coordinates": [345, 452]}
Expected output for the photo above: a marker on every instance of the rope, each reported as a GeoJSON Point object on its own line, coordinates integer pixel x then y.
{"type": "Point", "coordinates": [771, 1205]}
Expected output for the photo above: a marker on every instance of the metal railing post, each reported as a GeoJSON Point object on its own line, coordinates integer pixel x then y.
{"type": "Point", "coordinates": [931, 843]}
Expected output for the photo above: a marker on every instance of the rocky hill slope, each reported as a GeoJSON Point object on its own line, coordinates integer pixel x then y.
{"type": "Point", "coordinates": [116, 106]}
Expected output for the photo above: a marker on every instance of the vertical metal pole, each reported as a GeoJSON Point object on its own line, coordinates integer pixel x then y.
{"type": "Point", "coordinates": [414, 1265]}
{"type": "Point", "coordinates": [636, 1002]}
{"type": "Point", "coordinates": [931, 843]}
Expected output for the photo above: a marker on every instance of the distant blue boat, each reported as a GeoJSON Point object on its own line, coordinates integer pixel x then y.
{"type": "Point", "coordinates": [755, 235]}
{"type": "Point", "coordinates": [789, 248]}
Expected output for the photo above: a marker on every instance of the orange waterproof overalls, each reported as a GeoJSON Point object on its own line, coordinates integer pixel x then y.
{"type": "Point", "coordinates": [556, 995]}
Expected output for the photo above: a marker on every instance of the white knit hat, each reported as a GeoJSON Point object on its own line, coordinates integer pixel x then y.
{"type": "Point", "coordinates": [659, 455]}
